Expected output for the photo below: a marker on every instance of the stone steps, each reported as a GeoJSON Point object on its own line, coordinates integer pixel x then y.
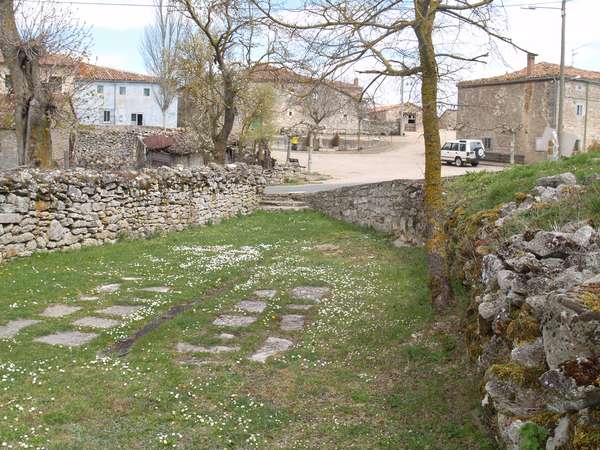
{"type": "Point", "coordinates": [282, 202]}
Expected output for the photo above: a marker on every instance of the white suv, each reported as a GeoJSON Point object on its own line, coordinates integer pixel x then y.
{"type": "Point", "coordinates": [463, 151]}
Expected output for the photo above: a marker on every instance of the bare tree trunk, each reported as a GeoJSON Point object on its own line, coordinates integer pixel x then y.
{"type": "Point", "coordinates": [437, 255]}
{"type": "Point", "coordinates": [228, 116]}
{"type": "Point", "coordinates": [32, 105]}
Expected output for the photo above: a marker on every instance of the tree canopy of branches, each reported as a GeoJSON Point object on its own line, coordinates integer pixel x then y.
{"type": "Point", "coordinates": [227, 29]}
{"type": "Point", "coordinates": [399, 38]}
{"type": "Point", "coordinates": [35, 42]}
{"type": "Point", "coordinates": [160, 49]}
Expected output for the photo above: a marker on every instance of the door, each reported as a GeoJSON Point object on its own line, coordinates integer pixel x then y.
{"type": "Point", "coordinates": [140, 119]}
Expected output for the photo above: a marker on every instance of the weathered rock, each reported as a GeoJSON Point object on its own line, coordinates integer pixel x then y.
{"type": "Point", "coordinates": [561, 435]}
{"type": "Point", "coordinates": [55, 231]}
{"type": "Point", "coordinates": [183, 347]}
{"type": "Point", "coordinates": [565, 393]}
{"type": "Point", "coordinates": [59, 310]}
{"type": "Point", "coordinates": [491, 265]}
{"type": "Point", "coordinates": [547, 244]}
{"type": "Point", "coordinates": [299, 307]}
{"type": "Point", "coordinates": [512, 397]}
{"type": "Point", "coordinates": [311, 293]}
{"type": "Point", "coordinates": [510, 431]}
{"type": "Point", "coordinates": [271, 347]}
{"type": "Point", "coordinates": [67, 339]}
{"type": "Point", "coordinates": [234, 321]}
{"type": "Point", "coordinates": [12, 328]}
{"type": "Point", "coordinates": [266, 293]}
{"type": "Point", "coordinates": [108, 288]}
{"type": "Point", "coordinates": [96, 322]}
{"type": "Point", "coordinates": [292, 322]}
{"type": "Point", "coordinates": [156, 289]}
{"type": "Point", "coordinates": [496, 351]}
{"type": "Point", "coordinates": [120, 310]}
{"type": "Point", "coordinates": [251, 306]}
{"type": "Point", "coordinates": [556, 180]}
{"type": "Point", "coordinates": [529, 354]}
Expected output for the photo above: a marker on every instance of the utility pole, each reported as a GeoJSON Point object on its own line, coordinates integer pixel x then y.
{"type": "Point", "coordinates": [401, 106]}
{"type": "Point", "coordinates": [561, 99]}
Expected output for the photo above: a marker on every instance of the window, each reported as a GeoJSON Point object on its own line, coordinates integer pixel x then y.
{"type": "Point", "coordinates": [290, 113]}
{"type": "Point", "coordinates": [55, 84]}
{"type": "Point", "coordinates": [146, 92]}
{"type": "Point", "coordinates": [579, 110]}
{"type": "Point", "coordinates": [487, 143]}
{"type": "Point", "coordinates": [100, 89]}
{"type": "Point", "coordinates": [137, 119]}
{"type": "Point", "coordinates": [122, 90]}
{"type": "Point", "coordinates": [345, 116]}
{"type": "Point", "coordinates": [447, 146]}
{"type": "Point", "coordinates": [106, 117]}
{"type": "Point", "coordinates": [463, 147]}
{"type": "Point", "coordinates": [412, 119]}
{"type": "Point", "coordinates": [8, 83]}
{"type": "Point", "coordinates": [454, 146]}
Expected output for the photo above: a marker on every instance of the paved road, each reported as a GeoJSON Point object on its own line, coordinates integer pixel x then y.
{"type": "Point", "coordinates": [404, 159]}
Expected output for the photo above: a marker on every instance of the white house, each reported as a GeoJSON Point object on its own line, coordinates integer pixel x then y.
{"type": "Point", "coordinates": [114, 97]}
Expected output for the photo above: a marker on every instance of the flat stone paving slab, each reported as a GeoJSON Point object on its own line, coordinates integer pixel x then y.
{"type": "Point", "coordinates": [299, 307]}
{"type": "Point", "coordinates": [157, 289]}
{"type": "Point", "coordinates": [266, 293]}
{"type": "Point", "coordinates": [108, 288]}
{"type": "Point", "coordinates": [253, 306]}
{"type": "Point", "coordinates": [226, 336]}
{"type": "Point", "coordinates": [12, 328]}
{"type": "Point", "coordinates": [96, 322]}
{"type": "Point", "coordinates": [271, 347]}
{"type": "Point", "coordinates": [88, 298]}
{"type": "Point", "coordinates": [120, 310]}
{"type": "Point", "coordinates": [292, 322]}
{"type": "Point", "coordinates": [183, 347]}
{"type": "Point", "coordinates": [234, 321]}
{"type": "Point", "coordinates": [311, 293]}
{"type": "Point", "coordinates": [59, 310]}
{"type": "Point", "coordinates": [132, 278]}
{"type": "Point", "coordinates": [67, 338]}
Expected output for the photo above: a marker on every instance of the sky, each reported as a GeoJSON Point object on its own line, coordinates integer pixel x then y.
{"type": "Point", "coordinates": [117, 31]}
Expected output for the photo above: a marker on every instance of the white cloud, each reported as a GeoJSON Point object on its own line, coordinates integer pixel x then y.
{"type": "Point", "coordinates": [114, 16]}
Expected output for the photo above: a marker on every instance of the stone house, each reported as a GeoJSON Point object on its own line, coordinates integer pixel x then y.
{"type": "Point", "coordinates": [108, 96]}
{"type": "Point", "coordinates": [519, 110]}
{"type": "Point", "coordinates": [385, 119]}
{"type": "Point", "coordinates": [168, 149]}
{"type": "Point", "coordinates": [448, 119]}
{"type": "Point", "coordinates": [289, 87]}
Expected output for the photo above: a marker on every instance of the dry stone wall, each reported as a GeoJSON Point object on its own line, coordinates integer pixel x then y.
{"type": "Point", "coordinates": [42, 211]}
{"type": "Point", "coordinates": [394, 207]}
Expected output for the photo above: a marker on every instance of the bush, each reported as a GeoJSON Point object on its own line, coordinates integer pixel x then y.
{"type": "Point", "coordinates": [594, 146]}
{"type": "Point", "coordinates": [335, 140]}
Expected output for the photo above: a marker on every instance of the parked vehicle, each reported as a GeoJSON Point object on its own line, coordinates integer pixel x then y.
{"type": "Point", "coordinates": [463, 151]}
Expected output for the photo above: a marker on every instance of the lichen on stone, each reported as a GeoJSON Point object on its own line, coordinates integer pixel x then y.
{"type": "Point", "coordinates": [524, 328]}
{"type": "Point", "coordinates": [521, 375]}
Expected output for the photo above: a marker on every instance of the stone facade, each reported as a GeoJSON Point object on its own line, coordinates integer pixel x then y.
{"type": "Point", "coordinates": [8, 147]}
{"type": "Point", "coordinates": [526, 106]}
{"type": "Point", "coordinates": [43, 211]}
{"type": "Point", "coordinates": [385, 119]}
{"type": "Point", "coordinates": [394, 207]}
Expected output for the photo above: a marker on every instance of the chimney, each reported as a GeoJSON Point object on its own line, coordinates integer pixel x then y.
{"type": "Point", "coordinates": [355, 81]}
{"type": "Point", "coordinates": [530, 63]}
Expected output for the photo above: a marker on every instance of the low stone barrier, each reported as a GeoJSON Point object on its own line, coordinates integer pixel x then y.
{"type": "Point", "coordinates": [48, 210]}
{"type": "Point", "coordinates": [394, 207]}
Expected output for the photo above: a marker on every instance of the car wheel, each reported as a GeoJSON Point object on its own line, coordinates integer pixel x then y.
{"type": "Point", "coordinates": [458, 161]}
{"type": "Point", "coordinates": [474, 163]}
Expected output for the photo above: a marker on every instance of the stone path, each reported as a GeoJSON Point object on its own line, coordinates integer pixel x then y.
{"type": "Point", "coordinates": [59, 310]}
{"type": "Point", "coordinates": [12, 328]}
{"type": "Point", "coordinates": [272, 346]}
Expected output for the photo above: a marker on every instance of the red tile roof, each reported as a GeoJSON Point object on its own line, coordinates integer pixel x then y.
{"type": "Point", "coordinates": [383, 108]}
{"type": "Point", "coordinates": [540, 71]}
{"type": "Point", "coordinates": [92, 72]}
{"type": "Point", "coordinates": [270, 73]}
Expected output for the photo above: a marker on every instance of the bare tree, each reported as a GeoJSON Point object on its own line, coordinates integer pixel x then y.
{"type": "Point", "coordinates": [229, 29]}
{"type": "Point", "coordinates": [396, 38]}
{"type": "Point", "coordinates": [319, 101]}
{"type": "Point", "coordinates": [160, 47]}
{"type": "Point", "coordinates": [35, 42]}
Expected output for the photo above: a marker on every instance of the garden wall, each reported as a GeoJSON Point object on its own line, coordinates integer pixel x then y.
{"type": "Point", "coordinates": [48, 210]}
{"type": "Point", "coordinates": [394, 207]}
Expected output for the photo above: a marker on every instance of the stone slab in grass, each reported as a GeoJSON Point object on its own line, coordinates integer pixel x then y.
{"type": "Point", "coordinates": [234, 321]}
{"type": "Point", "coordinates": [12, 328]}
{"type": "Point", "coordinates": [226, 336]}
{"type": "Point", "coordinates": [59, 310]}
{"type": "Point", "coordinates": [253, 306]}
{"type": "Point", "coordinates": [266, 293]}
{"type": "Point", "coordinates": [156, 289]}
{"type": "Point", "coordinates": [108, 288]}
{"type": "Point", "coordinates": [120, 310]}
{"type": "Point", "coordinates": [131, 278]}
{"type": "Point", "coordinates": [298, 307]}
{"type": "Point", "coordinates": [88, 298]}
{"type": "Point", "coordinates": [96, 322]}
{"type": "Point", "coordinates": [292, 322]}
{"type": "Point", "coordinates": [183, 347]}
{"type": "Point", "coordinates": [271, 347]}
{"type": "Point", "coordinates": [311, 293]}
{"type": "Point", "coordinates": [67, 338]}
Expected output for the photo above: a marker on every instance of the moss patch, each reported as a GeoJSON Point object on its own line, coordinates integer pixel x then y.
{"type": "Point", "coordinates": [523, 376]}
{"type": "Point", "coordinates": [524, 328]}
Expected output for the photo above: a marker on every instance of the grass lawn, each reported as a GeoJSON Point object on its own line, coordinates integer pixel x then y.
{"type": "Point", "coordinates": [372, 368]}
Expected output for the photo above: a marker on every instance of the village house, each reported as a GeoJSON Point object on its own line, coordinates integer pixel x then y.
{"type": "Point", "coordinates": [115, 97]}
{"type": "Point", "coordinates": [518, 111]}
{"type": "Point", "coordinates": [385, 119]}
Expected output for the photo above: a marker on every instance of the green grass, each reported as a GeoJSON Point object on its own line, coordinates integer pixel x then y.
{"type": "Point", "coordinates": [479, 191]}
{"type": "Point", "coordinates": [371, 370]}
